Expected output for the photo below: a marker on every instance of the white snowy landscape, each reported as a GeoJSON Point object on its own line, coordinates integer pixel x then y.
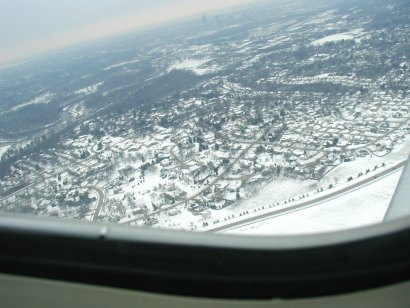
{"type": "Point", "coordinates": [275, 119]}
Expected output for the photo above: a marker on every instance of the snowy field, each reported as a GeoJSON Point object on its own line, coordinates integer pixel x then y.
{"type": "Point", "coordinates": [368, 203]}
{"type": "Point", "coordinates": [42, 99]}
{"type": "Point", "coordinates": [354, 34]}
{"type": "Point", "coordinates": [278, 189]}
{"type": "Point", "coordinates": [362, 207]}
{"type": "Point", "coordinates": [347, 169]}
{"type": "Point", "coordinates": [275, 191]}
{"type": "Point", "coordinates": [76, 110]}
{"type": "Point", "coordinates": [365, 205]}
{"type": "Point", "coordinates": [194, 65]}
{"type": "Point", "coordinates": [89, 90]}
{"type": "Point", "coordinates": [120, 64]}
{"type": "Point", "coordinates": [3, 149]}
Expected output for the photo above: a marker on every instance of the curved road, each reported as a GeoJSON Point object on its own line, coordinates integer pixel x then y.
{"type": "Point", "coordinates": [310, 203]}
{"type": "Point", "coordinates": [100, 201]}
{"type": "Point", "coordinates": [209, 186]}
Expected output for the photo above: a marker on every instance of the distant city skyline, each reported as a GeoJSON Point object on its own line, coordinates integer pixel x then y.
{"type": "Point", "coordinates": [29, 28]}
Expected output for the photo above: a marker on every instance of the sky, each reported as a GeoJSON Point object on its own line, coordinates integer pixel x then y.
{"type": "Point", "coordinates": [31, 27]}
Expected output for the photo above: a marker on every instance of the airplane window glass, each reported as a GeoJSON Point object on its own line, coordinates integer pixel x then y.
{"type": "Point", "coordinates": [239, 116]}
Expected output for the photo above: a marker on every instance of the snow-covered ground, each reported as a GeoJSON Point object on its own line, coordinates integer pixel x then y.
{"type": "Point", "coordinates": [90, 89]}
{"type": "Point", "coordinates": [120, 64]}
{"type": "Point", "coordinates": [282, 193]}
{"type": "Point", "coordinates": [42, 99]}
{"type": "Point", "coordinates": [3, 149]}
{"type": "Point", "coordinates": [195, 65]}
{"type": "Point", "coordinates": [362, 207]}
{"type": "Point", "coordinates": [347, 169]}
{"type": "Point", "coordinates": [275, 191]}
{"type": "Point", "coordinates": [77, 109]}
{"type": "Point", "coordinates": [338, 178]}
{"type": "Point", "coordinates": [354, 34]}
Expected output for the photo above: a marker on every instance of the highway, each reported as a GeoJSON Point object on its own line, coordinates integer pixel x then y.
{"type": "Point", "coordinates": [210, 185]}
{"type": "Point", "coordinates": [310, 203]}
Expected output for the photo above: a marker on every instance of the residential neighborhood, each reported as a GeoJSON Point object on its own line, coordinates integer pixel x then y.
{"type": "Point", "coordinates": [190, 131]}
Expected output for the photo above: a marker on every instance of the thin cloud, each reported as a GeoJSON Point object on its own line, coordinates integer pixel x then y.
{"type": "Point", "coordinates": [149, 16]}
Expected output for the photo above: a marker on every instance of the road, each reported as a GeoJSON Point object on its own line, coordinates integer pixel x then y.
{"type": "Point", "coordinates": [100, 201]}
{"type": "Point", "coordinates": [177, 158]}
{"type": "Point", "coordinates": [310, 203]}
{"type": "Point", "coordinates": [73, 110]}
{"type": "Point", "coordinates": [21, 189]}
{"type": "Point", "coordinates": [63, 168]}
{"type": "Point", "coordinates": [210, 185]}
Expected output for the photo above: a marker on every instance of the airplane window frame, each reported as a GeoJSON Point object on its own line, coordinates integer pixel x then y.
{"type": "Point", "coordinates": [212, 265]}
{"type": "Point", "coordinates": [207, 265]}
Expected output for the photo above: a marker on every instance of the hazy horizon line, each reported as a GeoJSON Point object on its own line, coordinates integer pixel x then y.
{"type": "Point", "coordinates": [95, 32]}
